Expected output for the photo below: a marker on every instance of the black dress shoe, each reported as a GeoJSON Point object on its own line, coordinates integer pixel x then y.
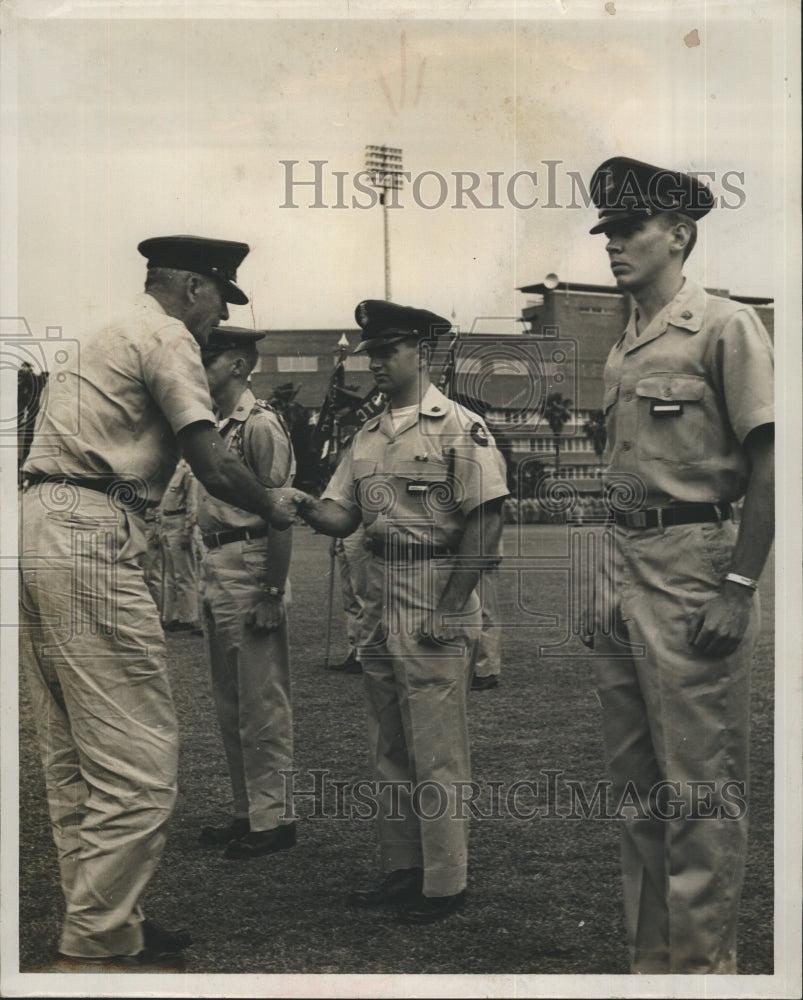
{"type": "Point", "coordinates": [193, 627]}
{"type": "Point", "coordinates": [484, 683]}
{"type": "Point", "coordinates": [428, 909]}
{"type": "Point", "coordinates": [351, 665]}
{"type": "Point", "coordinates": [106, 963]}
{"type": "Point", "coordinates": [158, 941]}
{"type": "Point", "coordinates": [162, 950]}
{"type": "Point", "coordinates": [219, 836]}
{"type": "Point", "coordinates": [260, 842]}
{"type": "Point", "coordinates": [402, 886]}
{"type": "Point", "coordinates": [143, 962]}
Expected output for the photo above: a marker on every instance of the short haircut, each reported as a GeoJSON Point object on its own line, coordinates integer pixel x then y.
{"type": "Point", "coordinates": [248, 353]}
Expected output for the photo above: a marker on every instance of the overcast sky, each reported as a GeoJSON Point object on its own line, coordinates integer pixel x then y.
{"type": "Point", "coordinates": [139, 126]}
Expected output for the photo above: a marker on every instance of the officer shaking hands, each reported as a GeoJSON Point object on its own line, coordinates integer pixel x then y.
{"type": "Point", "coordinates": [423, 478]}
{"type": "Point", "coordinates": [92, 647]}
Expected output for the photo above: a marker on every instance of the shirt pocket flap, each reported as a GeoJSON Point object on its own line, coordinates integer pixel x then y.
{"type": "Point", "coordinates": [687, 388]}
{"type": "Point", "coordinates": [611, 395]}
{"type": "Point", "coordinates": [362, 467]}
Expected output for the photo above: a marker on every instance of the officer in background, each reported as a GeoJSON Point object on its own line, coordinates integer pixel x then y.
{"type": "Point", "coordinates": [351, 556]}
{"type": "Point", "coordinates": [92, 646]}
{"type": "Point", "coordinates": [245, 597]}
{"type": "Point", "coordinates": [153, 562]}
{"type": "Point", "coordinates": [487, 658]}
{"type": "Point", "coordinates": [488, 653]}
{"type": "Point", "coordinates": [689, 410]}
{"type": "Point", "coordinates": [180, 581]}
{"type": "Point", "coordinates": [424, 481]}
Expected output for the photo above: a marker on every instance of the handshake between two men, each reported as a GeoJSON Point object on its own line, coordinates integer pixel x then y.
{"type": "Point", "coordinates": [444, 623]}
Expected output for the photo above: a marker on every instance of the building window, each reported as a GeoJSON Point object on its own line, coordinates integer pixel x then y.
{"type": "Point", "coordinates": [296, 363]}
{"type": "Point", "coordinates": [357, 363]}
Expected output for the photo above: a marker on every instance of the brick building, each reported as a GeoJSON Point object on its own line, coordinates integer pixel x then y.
{"type": "Point", "coordinates": [567, 331]}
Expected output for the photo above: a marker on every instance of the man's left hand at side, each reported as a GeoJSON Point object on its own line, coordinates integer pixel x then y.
{"type": "Point", "coordinates": [435, 628]}
{"type": "Point", "coordinates": [266, 616]}
{"type": "Point", "coordinates": [719, 626]}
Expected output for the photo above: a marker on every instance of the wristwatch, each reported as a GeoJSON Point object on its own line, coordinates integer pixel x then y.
{"type": "Point", "coordinates": [275, 592]}
{"type": "Point", "coordinates": [743, 581]}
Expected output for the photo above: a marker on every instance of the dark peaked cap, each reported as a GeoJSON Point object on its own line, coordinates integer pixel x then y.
{"type": "Point", "coordinates": [622, 188]}
{"type": "Point", "coordinates": [211, 258]}
{"type": "Point", "coordinates": [386, 323]}
{"type": "Point", "coordinates": [230, 338]}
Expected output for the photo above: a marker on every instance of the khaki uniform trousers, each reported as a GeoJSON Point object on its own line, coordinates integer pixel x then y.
{"type": "Point", "coordinates": [353, 558]}
{"type": "Point", "coordinates": [416, 697]}
{"type": "Point", "coordinates": [671, 714]}
{"type": "Point", "coordinates": [250, 683]}
{"type": "Point", "coordinates": [180, 601]}
{"type": "Point", "coordinates": [488, 651]}
{"type": "Point", "coordinates": [93, 653]}
{"type": "Point", "coordinates": [153, 564]}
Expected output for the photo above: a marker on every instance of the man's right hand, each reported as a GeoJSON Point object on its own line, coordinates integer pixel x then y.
{"type": "Point", "coordinates": [283, 506]}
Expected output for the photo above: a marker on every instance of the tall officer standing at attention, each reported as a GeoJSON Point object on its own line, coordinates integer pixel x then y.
{"type": "Point", "coordinates": [92, 646]}
{"type": "Point", "coordinates": [424, 480]}
{"type": "Point", "coordinates": [689, 407]}
{"type": "Point", "coordinates": [245, 587]}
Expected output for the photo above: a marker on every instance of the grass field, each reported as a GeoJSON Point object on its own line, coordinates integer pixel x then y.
{"type": "Point", "coordinates": [544, 894]}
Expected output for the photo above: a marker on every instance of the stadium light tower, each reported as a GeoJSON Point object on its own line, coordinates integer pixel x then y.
{"type": "Point", "coordinates": [384, 165]}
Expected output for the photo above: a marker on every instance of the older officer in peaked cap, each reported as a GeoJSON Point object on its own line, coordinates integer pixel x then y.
{"type": "Point", "coordinates": [245, 599]}
{"type": "Point", "coordinates": [689, 410]}
{"type": "Point", "coordinates": [424, 481]}
{"type": "Point", "coordinates": [92, 645]}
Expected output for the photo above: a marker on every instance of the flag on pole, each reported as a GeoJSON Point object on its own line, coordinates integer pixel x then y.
{"type": "Point", "coordinates": [343, 412]}
{"type": "Point", "coordinates": [325, 433]}
{"type": "Point", "coordinates": [446, 379]}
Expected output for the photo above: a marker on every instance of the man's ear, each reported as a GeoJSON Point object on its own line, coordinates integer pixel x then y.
{"type": "Point", "coordinates": [192, 286]}
{"type": "Point", "coordinates": [681, 233]}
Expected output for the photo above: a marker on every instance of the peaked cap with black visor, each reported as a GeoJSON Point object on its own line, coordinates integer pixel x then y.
{"type": "Point", "coordinates": [384, 323]}
{"type": "Point", "coordinates": [623, 190]}
{"type": "Point", "coordinates": [208, 257]}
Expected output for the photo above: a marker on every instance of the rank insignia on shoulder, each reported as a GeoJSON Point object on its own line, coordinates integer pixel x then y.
{"type": "Point", "coordinates": [479, 434]}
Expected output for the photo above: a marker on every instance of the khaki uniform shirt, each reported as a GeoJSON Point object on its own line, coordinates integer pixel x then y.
{"type": "Point", "coordinates": [681, 398]}
{"type": "Point", "coordinates": [132, 387]}
{"type": "Point", "coordinates": [265, 449]}
{"type": "Point", "coordinates": [424, 477]}
{"type": "Point", "coordinates": [179, 497]}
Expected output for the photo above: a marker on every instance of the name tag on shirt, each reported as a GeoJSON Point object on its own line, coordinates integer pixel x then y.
{"type": "Point", "coordinates": [659, 408]}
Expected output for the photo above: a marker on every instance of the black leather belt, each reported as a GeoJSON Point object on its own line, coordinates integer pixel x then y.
{"type": "Point", "coordinates": [663, 517]}
{"type": "Point", "coordinates": [123, 491]}
{"type": "Point", "coordinates": [218, 538]}
{"type": "Point", "coordinates": [402, 552]}
{"type": "Point", "coordinates": [174, 513]}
